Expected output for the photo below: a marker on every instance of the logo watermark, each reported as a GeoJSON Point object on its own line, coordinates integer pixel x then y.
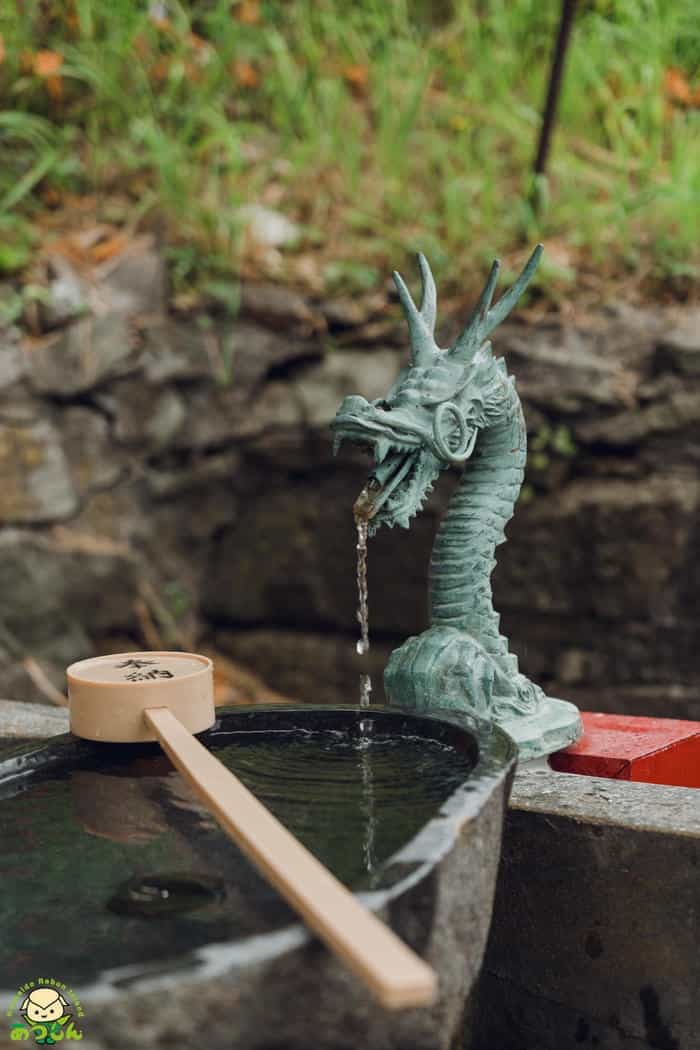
{"type": "Point", "coordinates": [46, 1009]}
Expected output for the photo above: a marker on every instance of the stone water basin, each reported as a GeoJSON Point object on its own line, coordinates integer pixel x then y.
{"type": "Point", "coordinates": [117, 882]}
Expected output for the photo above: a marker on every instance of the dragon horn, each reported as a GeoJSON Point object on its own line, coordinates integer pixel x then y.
{"type": "Point", "coordinates": [470, 339]}
{"type": "Point", "coordinates": [506, 303]}
{"type": "Point", "coordinates": [421, 323]}
{"type": "Point", "coordinates": [428, 306]}
{"type": "Point", "coordinates": [483, 319]}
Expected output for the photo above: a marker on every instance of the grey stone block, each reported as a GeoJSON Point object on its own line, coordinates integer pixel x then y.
{"type": "Point", "coordinates": [594, 940]}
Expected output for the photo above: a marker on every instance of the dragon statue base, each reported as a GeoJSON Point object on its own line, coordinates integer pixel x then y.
{"type": "Point", "coordinates": [445, 667]}
{"type": "Point", "coordinates": [456, 406]}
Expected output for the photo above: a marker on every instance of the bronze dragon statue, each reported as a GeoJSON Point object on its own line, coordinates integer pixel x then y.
{"type": "Point", "coordinates": [447, 407]}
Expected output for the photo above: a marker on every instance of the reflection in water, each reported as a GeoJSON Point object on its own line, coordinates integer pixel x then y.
{"type": "Point", "coordinates": [130, 808]}
{"type": "Point", "coordinates": [116, 807]}
{"type": "Point", "coordinates": [158, 896]}
{"type": "Point", "coordinates": [367, 795]}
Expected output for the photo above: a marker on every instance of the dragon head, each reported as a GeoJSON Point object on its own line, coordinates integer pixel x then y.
{"type": "Point", "coordinates": [432, 415]}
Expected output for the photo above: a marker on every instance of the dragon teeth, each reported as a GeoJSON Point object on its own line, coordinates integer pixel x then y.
{"type": "Point", "coordinates": [381, 449]}
{"type": "Point", "coordinates": [337, 442]}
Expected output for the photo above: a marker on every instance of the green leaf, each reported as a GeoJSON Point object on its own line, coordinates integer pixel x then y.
{"type": "Point", "coordinates": [14, 257]}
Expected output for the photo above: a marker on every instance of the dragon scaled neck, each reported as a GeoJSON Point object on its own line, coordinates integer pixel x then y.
{"type": "Point", "coordinates": [463, 554]}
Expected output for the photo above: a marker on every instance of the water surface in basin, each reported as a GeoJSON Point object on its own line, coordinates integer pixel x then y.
{"type": "Point", "coordinates": [108, 860]}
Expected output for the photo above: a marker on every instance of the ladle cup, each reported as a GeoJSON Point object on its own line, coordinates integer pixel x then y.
{"type": "Point", "coordinates": [168, 696]}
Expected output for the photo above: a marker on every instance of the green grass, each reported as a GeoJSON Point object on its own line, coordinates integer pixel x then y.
{"type": "Point", "coordinates": [380, 127]}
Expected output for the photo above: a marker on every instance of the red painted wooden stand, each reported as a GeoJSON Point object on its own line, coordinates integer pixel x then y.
{"type": "Point", "coordinates": [622, 747]}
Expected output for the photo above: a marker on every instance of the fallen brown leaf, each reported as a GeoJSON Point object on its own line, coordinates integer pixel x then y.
{"type": "Point", "coordinates": [47, 63]}
{"type": "Point", "coordinates": [109, 248]}
{"type": "Point", "coordinates": [357, 79]}
{"type": "Point", "coordinates": [245, 74]}
{"type": "Point", "coordinates": [248, 12]}
{"type": "Point", "coordinates": [677, 88]}
{"type": "Point", "coordinates": [77, 247]}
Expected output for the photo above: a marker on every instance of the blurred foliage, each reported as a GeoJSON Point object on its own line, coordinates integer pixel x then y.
{"type": "Point", "coordinates": [377, 127]}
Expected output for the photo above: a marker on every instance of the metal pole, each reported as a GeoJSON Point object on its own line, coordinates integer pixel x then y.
{"type": "Point", "coordinates": [553, 91]}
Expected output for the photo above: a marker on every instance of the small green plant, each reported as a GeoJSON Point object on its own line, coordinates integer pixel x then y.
{"type": "Point", "coordinates": [15, 302]}
{"type": "Point", "coordinates": [550, 442]}
{"type": "Point", "coordinates": [177, 599]}
{"type": "Point", "coordinates": [17, 243]}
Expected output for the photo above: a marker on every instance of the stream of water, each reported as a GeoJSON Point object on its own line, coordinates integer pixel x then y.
{"type": "Point", "coordinates": [368, 845]}
{"type": "Point", "coordinates": [363, 607]}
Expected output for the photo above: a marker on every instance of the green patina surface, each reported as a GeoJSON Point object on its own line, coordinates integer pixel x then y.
{"type": "Point", "coordinates": [456, 406]}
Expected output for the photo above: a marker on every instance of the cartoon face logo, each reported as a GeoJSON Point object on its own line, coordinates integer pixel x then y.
{"type": "Point", "coordinates": [44, 1005]}
{"type": "Point", "coordinates": [47, 1014]}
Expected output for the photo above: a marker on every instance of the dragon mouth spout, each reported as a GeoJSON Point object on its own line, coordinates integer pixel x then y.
{"type": "Point", "coordinates": [383, 482]}
{"type": "Point", "coordinates": [404, 469]}
{"type": "Point", "coordinates": [403, 473]}
{"type": "Point", "coordinates": [410, 448]}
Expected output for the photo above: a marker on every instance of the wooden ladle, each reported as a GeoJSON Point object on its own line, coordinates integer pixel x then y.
{"type": "Point", "coordinates": [168, 696]}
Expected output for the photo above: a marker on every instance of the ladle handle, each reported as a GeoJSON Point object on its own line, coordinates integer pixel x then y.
{"type": "Point", "coordinates": [395, 975]}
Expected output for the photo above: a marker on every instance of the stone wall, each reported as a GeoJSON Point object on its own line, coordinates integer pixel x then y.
{"type": "Point", "coordinates": [169, 482]}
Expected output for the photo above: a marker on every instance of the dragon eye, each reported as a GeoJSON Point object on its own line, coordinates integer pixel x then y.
{"type": "Point", "coordinates": [384, 405]}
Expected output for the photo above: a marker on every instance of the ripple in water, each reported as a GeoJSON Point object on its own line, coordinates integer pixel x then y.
{"type": "Point", "coordinates": [353, 800]}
